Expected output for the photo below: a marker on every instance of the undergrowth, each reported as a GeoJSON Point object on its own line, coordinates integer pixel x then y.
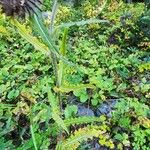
{"type": "Point", "coordinates": [86, 55]}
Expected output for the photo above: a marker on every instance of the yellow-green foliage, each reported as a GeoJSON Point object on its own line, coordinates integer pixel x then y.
{"type": "Point", "coordinates": [90, 11]}
{"type": "Point", "coordinates": [121, 8]}
{"type": "Point", "coordinates": [78, 121]}
{"type": "Point", "coordinates": [56, 114]}
{"type": "Point", "coordinates": [83, 134]}
{"type": "Point", "coordinates": [4, 31]}
{"type": "Point", "coordinates": [111, 63]}
{"type": "Point", "coordinates": [145, 66]}
{"type": "Point", "coordinates": [63, 14]}
{"type": "Point", "coordinates": [26, 33]}
{"type": "Point", "coordinates": [106, 141]}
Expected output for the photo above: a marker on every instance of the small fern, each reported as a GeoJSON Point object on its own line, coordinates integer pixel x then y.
{"type": "Point", "coordinates": [83, 134]}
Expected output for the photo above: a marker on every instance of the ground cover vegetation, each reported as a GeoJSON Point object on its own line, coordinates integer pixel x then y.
{"type": "Point", "coordinates": [76, 76]}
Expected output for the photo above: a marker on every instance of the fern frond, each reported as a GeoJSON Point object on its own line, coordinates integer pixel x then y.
{"type": "Point", "coordinates": [83, 134]}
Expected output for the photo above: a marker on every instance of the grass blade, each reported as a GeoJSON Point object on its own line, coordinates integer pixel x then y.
{"type": "Point", "coordinates": [33, 137]}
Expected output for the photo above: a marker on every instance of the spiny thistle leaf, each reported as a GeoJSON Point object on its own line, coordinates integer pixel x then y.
{"type": "Point", "coordinates": [26, 34]}
{"type": "Point", "coordinates": [47, 40]}
{"type": "Point", "coordinates": [44, 33]}
{"type": "Point", "coordinates": [83, 134]}
{"type": "Point", "coordinates": [55, 110]}
{"type": "Point", "coordinates": [84, 119]}
{"type": "Point", "coordinates": [81, 23]}
{"type": "Point", "coordinates": [78, 121]}
{"type": "Point", "coordinates": [67, 89]}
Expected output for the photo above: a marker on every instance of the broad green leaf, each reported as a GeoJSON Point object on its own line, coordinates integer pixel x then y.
{"type": "Point", "coordinates": [83, 98]}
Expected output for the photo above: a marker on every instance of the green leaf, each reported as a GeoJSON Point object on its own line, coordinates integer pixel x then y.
{"type": "Point", "coordinates": [13, 94]}
{"type": "Point", "coordinates": [53, 15]}
{"type": "Point", "coordinates": [44, 33]}
{"type": "Point", "coordinates": [82, 23]}
{"type": "Point", "coordinates": [124, 122]}
{"type": "Point", "coordinates": [70, 111]}
{"type": "Point", "coordinates": [78, 137]}
{"type": "Point", "coordinates": [33, 137]}
{"type": "Point", "coordinates": [25, 33]}
{"type": "Point", "coordinates": [63, 53]}
{"type": "Point", "coordinates": [3, 30]}
{"type": "Point", "coordinates": [83, 98]}
{"type": "Point", "coordinates": [55, 110]}
{"type": "Point", "coordinates": [94, 102]}
{"type": "Point", "coordinates": [75, 88]}
{"type": "Point", "coordinates": [118, 137]}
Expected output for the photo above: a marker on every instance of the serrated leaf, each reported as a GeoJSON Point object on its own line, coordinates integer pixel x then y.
{"type": "Point", "coordinates": [67, 89]}
{"type": "Point", "coordinates": [55, 110]}
{"type": "Point", "coordinates": [30, 38]}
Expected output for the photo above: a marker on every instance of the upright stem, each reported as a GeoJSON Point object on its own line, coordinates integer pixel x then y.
{"type": "Point", "coordinates": [55, 67]}
{"type": "Point", "coordinates": [54, 10]}
{"type": "Point", "coordinates": [54, 58]}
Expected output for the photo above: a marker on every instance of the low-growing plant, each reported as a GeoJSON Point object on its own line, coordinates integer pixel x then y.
{"type": "Point", "coordinates": [51, 68]}
{"type": "Point", "coordinates": [132, 118]}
